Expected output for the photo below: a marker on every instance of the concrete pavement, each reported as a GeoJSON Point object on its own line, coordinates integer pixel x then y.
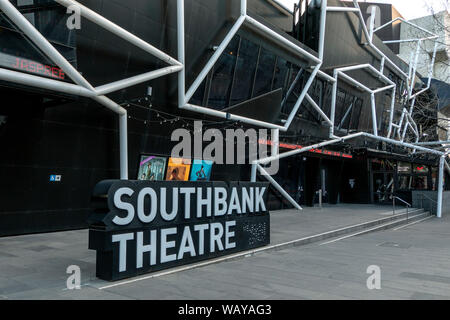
{"type": "Point", "coordinates": [414, 262]}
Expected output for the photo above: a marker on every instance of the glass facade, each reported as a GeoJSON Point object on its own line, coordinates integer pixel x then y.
{"type": "Point", "coordinates": [246, 70]}
{"type": "Point", "coordinates": [18, 52]}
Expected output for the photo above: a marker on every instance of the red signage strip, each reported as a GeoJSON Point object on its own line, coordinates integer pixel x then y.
{"type": "Point", "coordinates": [30, 66]}
{"type": "Point", "coordinates": [38, 68]}
{"type": "Point", "coordinates": [318, 151]}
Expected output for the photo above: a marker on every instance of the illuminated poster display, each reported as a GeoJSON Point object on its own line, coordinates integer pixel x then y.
{"type": "Point", "coordinates": [138, 227]}
{"type": "Point", "coordinates": [201, 170]}
{"type": "Point", "coordinates": [152, 168]}
{"type": "Point", "coordinates": [178, 169]}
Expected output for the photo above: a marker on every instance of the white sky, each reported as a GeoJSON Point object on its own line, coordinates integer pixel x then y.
{"type": "Point", "coordinates": [410, 9]}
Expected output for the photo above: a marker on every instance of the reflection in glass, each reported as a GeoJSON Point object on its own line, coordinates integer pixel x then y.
{"type": "Point", "coordinates": [264, 75]}
{"type": "Point", "coordinates": [223, 76]}
{"type": "Point", "coordinates": [245, 72]}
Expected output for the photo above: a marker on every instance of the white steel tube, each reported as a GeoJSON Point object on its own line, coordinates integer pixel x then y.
{"type": "Point", "coordinates": [279, 188]}
{"type": "Point", "coordinates": [318, 109]}
{"type": "Point", "coordinates": [408, 40]}
{"type": "Point", "coordinates": [118, 31]}
{"type": "Point", "coordinates": [132, 81]}
{"type": "Point", "coordinates": [111, 105]}
{"type": "Point", "coordinates": [414, 69]}
{"type": "Point", "coordinates": [275, 148]}
{"type": "Point", "coordinates": [305, 149]}
{"type": "Point", "coordinates": [333, 103]}
{"type": "Point", "coordinates": [254, 171]}
{"type": "Point", "coordinates": [243, 7]}
{"type": "Point", "coordinates": [123, 130]}
{"type": "Point", "coordinates": [224, 115]}
{"type": "Point", "coordinates": [372, 22]}
{"type": "Point", "coordinates": [433, 60]}
{"type": "Point", "coordinates": [383, 89]}
{"type": "Point", "coordinates": [302, 96]}
{"type": "Point", "coordinates": [39, 40]}
{"type": "Point", "coordinates": [43, 83]}
{"type": "Point", "coordinates": [342, 9]}
{"type": "Point", "coordinates": [403, 144]}
{"type": "Point", "coordinates": [325, 76]}
{"type": "Point", "coordinates": [278, 38]}
{"type": "Point", "coordinates": [354, 82]}
{"type": "Point", "coordinates": [440, 186]}
{"type": "Point", "coordinates": [391, 115]}
{"type": "Point", "coordinates": [181, 53]}
{"type": "Point", "coordinates": [374, 114]}
{"type": "Point", "coordinates": [213, 60]}
{"type": "Point", "coordinates": [431, 143]}
{"type": "Point", "coordinates": [323, 26]}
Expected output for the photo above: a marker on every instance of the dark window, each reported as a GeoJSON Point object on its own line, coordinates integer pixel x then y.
{"type": "Point", "coordinates": [223, 76]}
{"type": "Point", "coordinates": [356, 114]}
{"type": "Point", "coordinates": [264, 75]}
{"type": "Point", "coordinates": [245, 72]}
{"type": "Point", "coordinates": [49, 19]}
{"type": "Point", "coordinates": [199, 95]}
{"type": "Point", "coordinates": [281, 74]}
{"type": "Point", "coordinates": [340, 106]}
{"type": "Point", "coordinates": [295, 84]}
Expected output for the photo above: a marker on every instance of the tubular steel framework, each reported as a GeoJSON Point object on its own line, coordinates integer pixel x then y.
{"type": "Point", "coordinates": [83, 88]}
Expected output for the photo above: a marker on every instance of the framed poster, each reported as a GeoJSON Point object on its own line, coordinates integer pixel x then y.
{"type": "Point", "coordinates": [152, 168]}
{"type": "Point", "coordinates": [178, 169]}
{"type": "Point", "coordinates": [201, 170]}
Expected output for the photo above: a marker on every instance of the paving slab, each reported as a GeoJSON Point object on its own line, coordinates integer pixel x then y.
{"type": "Point", "coordinates": [414, 261]}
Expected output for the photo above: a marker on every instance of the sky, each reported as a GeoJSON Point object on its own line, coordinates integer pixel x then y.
{"type": "Point", "coordinates": [409, 9]}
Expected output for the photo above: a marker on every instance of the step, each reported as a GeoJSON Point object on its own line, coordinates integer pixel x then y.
{"type": "Point", "coordinates": [415, 217]}
{"type": "Point", "coordinates": [375, 225]}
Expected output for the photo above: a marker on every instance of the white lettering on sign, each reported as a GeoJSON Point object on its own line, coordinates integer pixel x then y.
{"type": "Point", "coordinates": [157, 225]}
{"type": "Point", "coordinates": [220, 237]}
{"type": "Point", "coordinates": [242, 201]}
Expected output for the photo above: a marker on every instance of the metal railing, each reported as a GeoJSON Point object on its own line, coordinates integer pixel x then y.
{"type": "Point", "coordinates": [408, 205]}
{"type": "Point", "coordinates": [423, 196]}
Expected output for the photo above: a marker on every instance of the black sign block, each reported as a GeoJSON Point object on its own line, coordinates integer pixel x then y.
{"type": "Point", "coordinates": [138, 227]}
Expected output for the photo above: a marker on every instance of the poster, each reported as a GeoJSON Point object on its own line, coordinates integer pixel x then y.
{"type": "Point", "coordinates": [152, 168]}
{"type": "Point", "coordinates": [178, 169]}
{"type": "Point", "coordinates": [201, 170]}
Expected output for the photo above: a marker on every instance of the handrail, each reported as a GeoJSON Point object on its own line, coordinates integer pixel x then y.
{"type": "Point", "coordinates": [408, 205]}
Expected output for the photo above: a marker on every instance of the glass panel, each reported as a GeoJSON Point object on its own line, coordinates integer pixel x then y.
{"type": "Point", "coordinates": [404, 183]}
{"type": "Point", "coordinates": [404, 167]}
{"type": "Point", "coordinates": [281, 74]}
{"type": "Point", "coordinates": [223, 76]}
{"type": "Point", "coordinates": [356, 114]}
{"type": "Point", "coordinates": [295, 85]}
{"type": "Point", "coordinates": [340, 106]}
{"type": "Point", "coordinates": [245, 72]}
{"type": "Point", "coordinates": [264, 75]}
{"type": "Point", "coordinates": [197, 98]}
{"type": "Point", "coordinates": [50, 19]}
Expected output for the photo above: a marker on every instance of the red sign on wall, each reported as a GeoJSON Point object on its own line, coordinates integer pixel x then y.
{"type": "Point", "coordinates": [30, 66]}
{"type": "Point", "coordinates": [38, 68]}
{"type": "Point", "coordinates": [319, 151]}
